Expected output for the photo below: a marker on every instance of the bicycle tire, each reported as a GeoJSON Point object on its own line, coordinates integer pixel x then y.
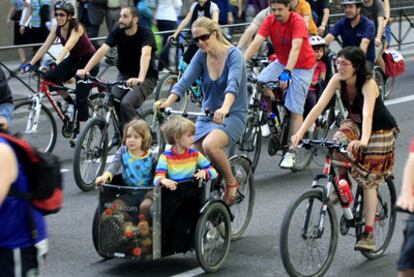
{"type": "Point", "coordinates": [94, 154]}
{"type": "Point", "coordinates": [379, 79]}
{"type": "Point", "coordinates": [21, 118]}
{"type": "Point", "coordinates": [158, 142]}
{"type": "Point", "coordinates": [163, 89]}
{"type": "Point", "coordinates": [286, 250]}
{"type": "Point", "coordinates": [389, 85]}
{"type": "Point", "coordinates": [389, 212]}
{"type": "Point", "coordinates": [242, 209]}
{"type": "Point", "coordinates": [250, 144]}
{"type": "Point", "coordinates": [213, 235]}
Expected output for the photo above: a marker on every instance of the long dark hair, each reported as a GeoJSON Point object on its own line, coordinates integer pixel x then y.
{"type": "Point", "coordinates": [358, 59]}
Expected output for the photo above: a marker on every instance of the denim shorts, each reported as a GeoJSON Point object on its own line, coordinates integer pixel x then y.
{"type": "Point", "coordinates": [7, 111]}
{"type": "Point", "coordinates": [406, 260]}
{"type": "Point", "coordinates": [387, 33]}
{"type": "Point", "coordinates": [298, 88]}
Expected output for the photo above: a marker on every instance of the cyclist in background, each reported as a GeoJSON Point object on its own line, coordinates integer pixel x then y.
{"type": "Point", "coordinates": [355, 29]}
{"type": "Point", "coordinates": [136, 65]}
{"type": "Point", "coordinates": [76, 43]}
{"type": "Point", "coordinates": [370, 131]}
{"type": "Point", "coordinates": [205, 8]}
{"type": "Point", "coordinates": [6, 102]}
{"type": "Point", "coordinates": [303, 8]}
{"type": "Point", "coordinates": [294, 67]}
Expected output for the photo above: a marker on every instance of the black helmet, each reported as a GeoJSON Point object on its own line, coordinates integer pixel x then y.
{"type": "Point", "coordinates": [65, 6]}
{"type": "Point", "coordinates": [348, 2]}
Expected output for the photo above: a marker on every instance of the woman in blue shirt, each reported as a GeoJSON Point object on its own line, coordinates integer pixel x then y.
{"type": "Point", "coordinates": [222, 70]}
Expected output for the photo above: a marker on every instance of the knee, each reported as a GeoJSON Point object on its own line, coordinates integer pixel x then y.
{"type": "Point", "coordinates": [208, 148]}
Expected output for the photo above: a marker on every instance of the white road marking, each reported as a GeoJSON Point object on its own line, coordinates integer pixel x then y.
{"type": "Point", "coordinates": [193, 272]}
{"type": "Point", "coordinates": [399, 100]}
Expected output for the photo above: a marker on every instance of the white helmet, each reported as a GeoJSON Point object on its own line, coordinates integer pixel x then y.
{"type": "Point", "coordinates": [317, 41]}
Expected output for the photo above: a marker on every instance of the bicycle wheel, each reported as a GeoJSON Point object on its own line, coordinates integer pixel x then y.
{"type": "Point", "coordinates": [304, 250]}
{"type": "Point", "coordinates": [379, 79]}
{"type": "Point", "coordinates": [250, 144]}
{"type": "Point", "coordinates": [389, 85]}
{"type": "Point", "coordinates": [90, 153]}
{"type": "Point", "coordinates": [158, 142]}
{"type": "Point", "coordinates": [384, 219]}
{"type": "Point", "coordinates": [39, 129]}
{"type": "Point", "coordinates": [242, 209]}
{"type": "Point", "coordinates": [212, 237]}
{"type": "Point", "coordinates": [163, 90]}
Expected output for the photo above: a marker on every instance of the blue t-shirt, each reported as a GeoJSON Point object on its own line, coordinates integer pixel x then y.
{"type": "Point", "coordinates": [14, 212]}
{"type": "Point", "coordinates": [353, 36]}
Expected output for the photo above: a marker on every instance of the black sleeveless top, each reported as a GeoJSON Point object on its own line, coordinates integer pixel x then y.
{"type": "Point", "coordinates": [82, 49]}
{"type": "Point", "coordinates": [382, 118]}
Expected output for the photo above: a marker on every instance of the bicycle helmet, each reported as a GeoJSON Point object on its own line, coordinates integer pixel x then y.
{"type": "Point", "coordinates": [317, 41]}
{"type": "Point", "coordinates": [65, 6]}
{"type": "Point", "coordinates": [348, 2]}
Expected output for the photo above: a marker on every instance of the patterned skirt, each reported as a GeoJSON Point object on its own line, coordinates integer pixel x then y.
{"type": "Point", "coordinates": [373, 165]}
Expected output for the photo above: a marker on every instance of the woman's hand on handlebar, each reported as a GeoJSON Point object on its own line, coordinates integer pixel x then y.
{"type": "Point", "coordinates": [220, 114]}
{"type": "Point", "coordinates": [355, 146]}
{"type": "Point", "coordinates": [172, 38]}
{"type": "Point", "coordinates": [82, 73]}
{"type": "Point", "coordinates": [406, 201]}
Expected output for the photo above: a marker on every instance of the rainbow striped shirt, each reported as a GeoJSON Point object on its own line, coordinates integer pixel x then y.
{"type": "Point", "coordinates": [182, 167]}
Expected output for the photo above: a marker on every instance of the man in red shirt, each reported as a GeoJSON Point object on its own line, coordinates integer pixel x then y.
{"type": "Point", "coordinates": [294, 67]}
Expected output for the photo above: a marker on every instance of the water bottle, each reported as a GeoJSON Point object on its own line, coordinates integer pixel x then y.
{"type": "Point", "coordinates": [70, 111]}
{"type": "Point", "coordinates": [345, 194]}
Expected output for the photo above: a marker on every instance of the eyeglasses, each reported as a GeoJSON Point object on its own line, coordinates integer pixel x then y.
{"type": "Point", "coordinates": [342, 63]}
{"type": "Point", "coordinates": [60, 15]}
{"type": "Point", "coordinates": [204, 37]}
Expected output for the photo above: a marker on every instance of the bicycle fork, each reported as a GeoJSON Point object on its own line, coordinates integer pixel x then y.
{"type": "Point", "coordinates": [34, 114]}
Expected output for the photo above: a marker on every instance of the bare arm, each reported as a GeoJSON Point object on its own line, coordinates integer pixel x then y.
{"type": "Point", "coordinates": [97, 57]}
{"type": "Point", "coordinates": [387, 9]}
{"type": "Point", "coordinates": [406, 199]}
{"type": "Point", "coordinates": [215, 16]}
{"type": "Point", "coordinates": [247, 35]}
{"type": "Point", "coordinates": [72, 40]}
{"type": "Point", "coordinates": [329, 38]}
{"type": "Point", "coordinates": [323, 101]}
{"type": "Point", "coordinates": [8, 170]}
{"type": "Point", "coordinates": [324, 22]}
{"type": "Point", "coordinates": [294, 53]}
{"type": "Point", "coordinates": [182, 25]}
{"type": "Point", "coordinates": [307, 20]}
{"type": "Point", "coordinates": [364, 45]}
{"type": "Point", "coordinates": [254, 47]}
{"type": "Point", "coordinates": [380, 29]}
{"type": "Point", "coordinates": [12, 10]}
{"type": "Point", "coordinates": [46, 45]}
{"type": "Point", "coordinates": [370, 92]}
{"type": "Point", "coordinates": [144, 62]}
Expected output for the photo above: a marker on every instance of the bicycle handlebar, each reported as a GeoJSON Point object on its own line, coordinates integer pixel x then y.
{"type": "Point", "coordinates": [330, 144]}
{"type": "Point", "coordinates": [95, 80]}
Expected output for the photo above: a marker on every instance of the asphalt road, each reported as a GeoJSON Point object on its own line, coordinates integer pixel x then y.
{"type": "Point", "coordinates": [257, 253]}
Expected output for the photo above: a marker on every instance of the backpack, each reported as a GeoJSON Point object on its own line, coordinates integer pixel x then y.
{"type": "Point", "coordinates": [394, 63]}
{"type": "Point", "coordinates": [43, 174]}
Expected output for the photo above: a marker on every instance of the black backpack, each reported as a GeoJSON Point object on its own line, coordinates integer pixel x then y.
{"type": "Point", "coordinates": [43, 174]}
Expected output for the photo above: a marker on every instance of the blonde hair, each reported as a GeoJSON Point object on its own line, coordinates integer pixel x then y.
{"type": "Point", "coordinates": [176, 127]}
{"type": "Point", "coordinates": [211, 26]}
{"type": "Point", "coordinates": [142, 129]}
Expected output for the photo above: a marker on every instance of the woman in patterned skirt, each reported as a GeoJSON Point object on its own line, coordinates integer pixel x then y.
{"type": "Point", "coordinates": [370, 131]}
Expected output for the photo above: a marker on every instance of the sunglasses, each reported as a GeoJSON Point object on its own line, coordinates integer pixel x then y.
{"type": "Point", "coordinates": [342, 63]}
{"type": "Point", "coordinates": [204, 37]}
{"type": "Point", "coordinates": [60, 15]}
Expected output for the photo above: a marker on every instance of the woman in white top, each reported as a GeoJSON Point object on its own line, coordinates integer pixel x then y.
{"type": "Point", "coordinates": [198, 9]}
{"type": "Point", "coordinates": [166, 16]}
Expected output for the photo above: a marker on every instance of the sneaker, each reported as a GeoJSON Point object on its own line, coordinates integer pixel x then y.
{"type": "Point", "coordinates": [265, 130]}
{"type": "Point", "coordinates": [288, 160]}
{"type": "Point", "coordinates": [366, 242]}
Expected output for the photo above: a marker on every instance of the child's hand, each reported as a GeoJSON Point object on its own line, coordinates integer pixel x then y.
{"type": "Point", "coordinates": [201, 174]}
{"type": "Point", "coordinates": [170, 184]}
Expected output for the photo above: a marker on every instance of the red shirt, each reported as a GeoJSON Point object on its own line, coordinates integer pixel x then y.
{"type": "Point", "coordinates": [319, 69]}
{"type": "Point", "coordinates": [282, 34]}
{"type": "Point", "coordinates": [412, 146]}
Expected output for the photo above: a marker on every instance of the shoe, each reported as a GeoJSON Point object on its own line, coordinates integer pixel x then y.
{"type": "Point", "coordinates": [230, 197]}
{"type": "Point", "coordinates": [265, 130]}
{"type": "Point", "coordinates": [288, 160]}
{"type": "Point", "coordinates": [366, 242]}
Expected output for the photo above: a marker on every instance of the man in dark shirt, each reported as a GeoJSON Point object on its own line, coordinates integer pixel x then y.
{"type": "Point", "coordinates": [6, 101]}
{"type": "Point", "coordinates": [136, 49]}
{"type": "Point", "coordinates": [355, 29]}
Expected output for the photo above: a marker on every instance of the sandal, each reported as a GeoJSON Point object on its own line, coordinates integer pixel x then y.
{"type": "Point", "coordinates": [230, 198]}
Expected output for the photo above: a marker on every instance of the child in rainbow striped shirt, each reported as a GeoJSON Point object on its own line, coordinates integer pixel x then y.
{"type": "Point", "coordinates": [181, 162]}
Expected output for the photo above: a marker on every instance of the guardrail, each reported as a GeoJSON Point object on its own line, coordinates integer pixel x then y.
{"type": "Point", "coordinates": [400, 38]}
